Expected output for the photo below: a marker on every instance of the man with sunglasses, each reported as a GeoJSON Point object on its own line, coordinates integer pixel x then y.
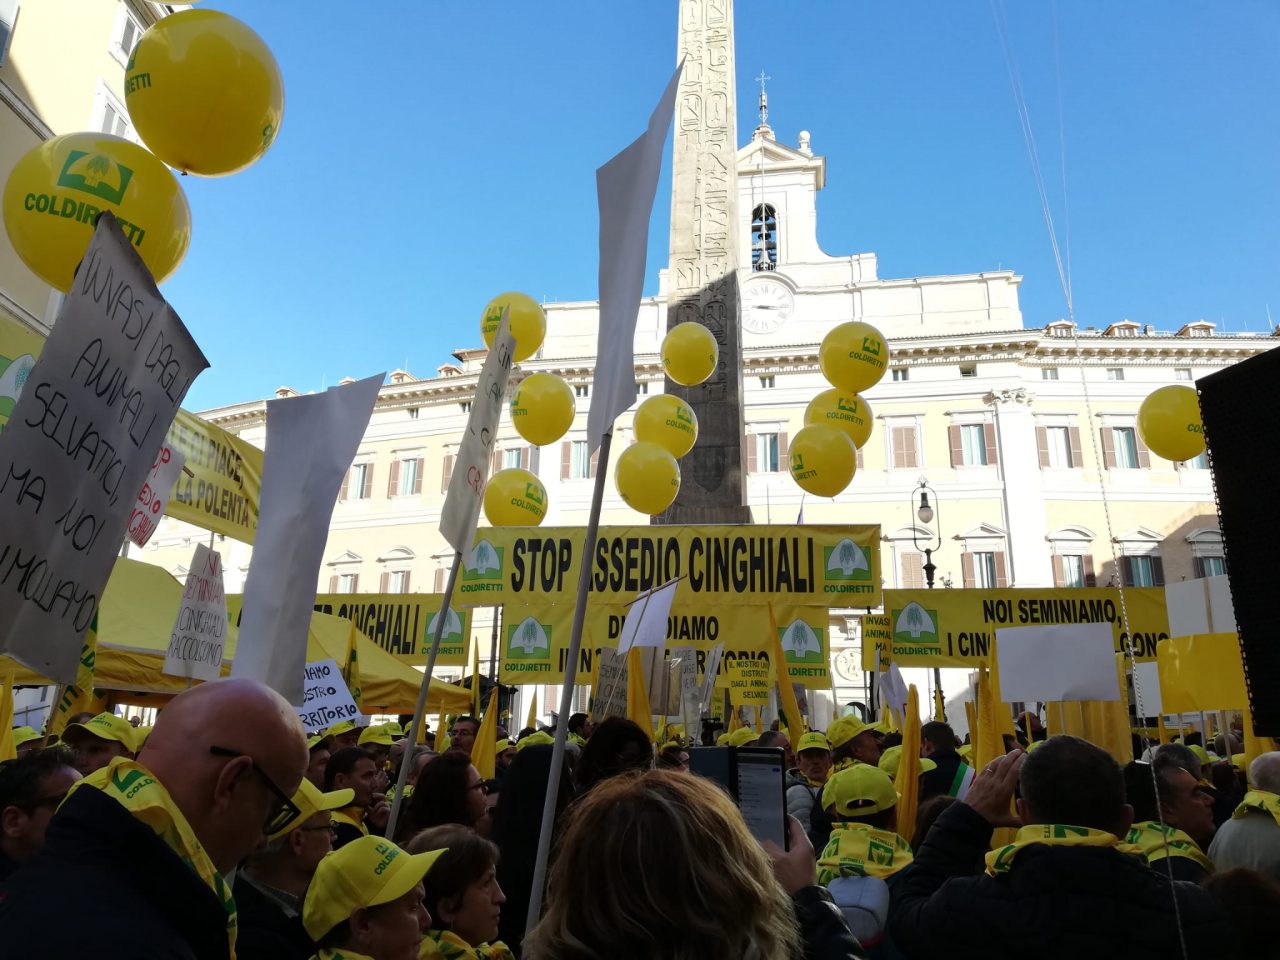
{"type": "Point", "coordinates": [31, 788]}
{"type": "Point", "coordinates": [148, 842]}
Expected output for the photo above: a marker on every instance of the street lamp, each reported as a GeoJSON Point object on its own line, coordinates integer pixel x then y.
{"type": "Point", "coordinates": [926, 513]}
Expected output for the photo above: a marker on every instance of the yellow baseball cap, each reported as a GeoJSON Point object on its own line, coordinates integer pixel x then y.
{"type": "Point", "coordinates": [105, 726]}
{"type": "Point", "coordinates": [965, 749]}
{"type": "Point", "coordinates": [394, 728]}
{"type": "Point", "coordinates": [859, 791]}
{"type": "Point", "coordinates": [310, 801]}
{"type": "Point", "coordinates": [533, 739]}
{"type": "Point", "coordinates": [891, 759]}
{"type": "Point", "coordinates": [366, 872]}
{"type": "Point", "coordinates": [844, 729]}
{"type": "Point", "coordinates": [812, 741]}
{"type": "Point", "coordinates": [318, 740]}
{"type": "Point", "coordinates": [1238, 760]}
{"type": "Point", "coordinates": [1201, 753]}
{"type": "Point", "coordinates": [742, 736]}
{"type": "Point", "coordinates": [23, 735]}
{"type": "Point", "coordinates": [339, 728]}
{"type": "Point", "coordinates": [722, 740]}
{"type": "Point", "coordinates": [377, 735]}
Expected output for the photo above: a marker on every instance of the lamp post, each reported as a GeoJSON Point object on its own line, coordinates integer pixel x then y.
{"type": "Point", "coordinates": [927, 513]}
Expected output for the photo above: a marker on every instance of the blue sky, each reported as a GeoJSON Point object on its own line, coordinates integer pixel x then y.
{"type": "Point", "coordinates": [434, 154]}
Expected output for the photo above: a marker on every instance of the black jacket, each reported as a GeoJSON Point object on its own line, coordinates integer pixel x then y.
{"type": "Point", "coordinates": [1055, 902]}
{"type": "Point", "coordinates": [265, 932]}
{"type": "Point", "coordinates": [823, 929]}
{"type": "Point", "coordinates": [937, 782]}
{"type": "Point", "coordinates": [106, 884]}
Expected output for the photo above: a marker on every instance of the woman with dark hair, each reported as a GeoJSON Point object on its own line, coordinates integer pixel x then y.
{"type": "Point", "coordinates": [617, 745]}
{"type": "Point", "coordinates": [462, 896]}
{"type": "Point", "coordinates": [448, 790]}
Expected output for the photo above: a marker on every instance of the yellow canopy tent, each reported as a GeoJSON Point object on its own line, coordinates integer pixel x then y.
{"type": "Point", "coordinates": [134, 624]}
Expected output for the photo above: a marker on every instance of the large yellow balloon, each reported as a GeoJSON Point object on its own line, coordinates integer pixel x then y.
{"type": "Point", "coordinates": [853, 356]}
{"type": "Point", "coordinates": [823, 459]}
{"type": "Point", "coordinates": [528, 324]}
{"type": "Point", "coordinates": [847, 411]}
{"type": "Point", "coordinates": [542, 408]}
{"type": "Point", "coordinates": [689, 353]}
{"type": "Point", "coordinates": [1169, 423]}
{"type": "Point", "coordinates": [669, 422]}
{"type": "Point", "coordinates": [57, 189]}
{"type": "Point", "coordinates": [648, 478]}
{"type": "Point", "coordinates": [204, 92]}
{"type": "Point", "coordinates": [515, 498]}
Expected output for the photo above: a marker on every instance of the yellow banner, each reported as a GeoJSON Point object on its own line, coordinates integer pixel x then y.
{"type": "Point", "coordinates": [755, 565]}
{"type": "Point", "coordinates": [957, 628]}
{"type": "Point", "coordinates": [1202, 672]}
{"type": "Point", "coordinates": [749, 682]}
{"type": "Point", "coordinates": [403, 624]}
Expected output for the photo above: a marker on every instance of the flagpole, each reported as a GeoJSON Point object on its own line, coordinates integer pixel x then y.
{"type": "Point", "coordinates": [406, 762]}
{"type": "Point", "coordinates": [566, 687]}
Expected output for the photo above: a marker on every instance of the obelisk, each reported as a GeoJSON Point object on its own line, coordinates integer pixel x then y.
{"type": "Point", "coordinates": [703, 277]}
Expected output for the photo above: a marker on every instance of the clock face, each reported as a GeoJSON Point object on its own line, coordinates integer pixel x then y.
{"type": "Point", "coordinates": [766, 305]}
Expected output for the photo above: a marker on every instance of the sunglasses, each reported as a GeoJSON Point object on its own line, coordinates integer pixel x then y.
{"type": "Point", "coordinates": [284, 810]}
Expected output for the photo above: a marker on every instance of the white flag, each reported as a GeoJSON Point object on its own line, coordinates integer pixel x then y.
{"type": "Point", "coordinates": [646, 621]}
{"type": "Point", "coordinates": [893, 690]}
{"type": "Point", "coordinates": [625, 187]}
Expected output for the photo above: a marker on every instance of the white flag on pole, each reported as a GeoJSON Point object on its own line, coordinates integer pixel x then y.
{"type": "Point", "coordinates": [625, 187]}
{"type": "Point", "coordinates": [893, 689]}
{"type": "Point", "coordinates": [646, 621]}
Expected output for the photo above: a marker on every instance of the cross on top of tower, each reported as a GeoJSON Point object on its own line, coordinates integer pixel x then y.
{"type": "Point", "coordinates": [764, 97]}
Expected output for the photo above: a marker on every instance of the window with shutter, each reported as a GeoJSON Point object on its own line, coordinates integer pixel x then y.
{"type": "Point", "coordinates": [383, 581]}
{"type": "Point", "coordinates": [1001, 570]}
{"type": "Point", "coordinates": [989, 442]}
{"type": "Point", "coordinates": [346, 483]}
{"type": "Point", "coordinates": [446, 472]}
{"type": "Point", "coordinates": [333, 584]}
{"type": "Point", "coordinates": [595, 463]}
{"type": "Point", "coordinates": [955, 442]}
{"type": "Point", "coordinates": [911, 570]}
{"type": "Point", "coordinates": [566, 460]}
{"type": "Point", "coordinates": [1073, 438]}
{"type": "Point", "coordinates": [393, 479]}
{"type": "Point", "coordinates": [367, 492]}
{"type": "Point", "coordinates": [966, 570]}
{"type": "Point", "coordinates": [749, 441]}
{"type": "Point", "coordinates": [903, 440]}
{"type": "Point", "coordinates": [439, 581]}
{"type": "Point", "coordinates": [418, 466]}
{"type": "Point", "coordinates": [1042, 446]}
{"type": "Point", "coordinates": [1090, 578]}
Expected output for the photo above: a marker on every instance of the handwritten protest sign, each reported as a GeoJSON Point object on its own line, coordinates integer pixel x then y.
{"type": "Point", "coordinates": [748, 682]}
{"type": "Point", "coordinates": [84, 432]}
{"type": "Point", "coordinates": [199, 633]}
{"type": "Point", "coordinates": [154, 495]}
{"type": "Point", "coordinates": [325, 697]}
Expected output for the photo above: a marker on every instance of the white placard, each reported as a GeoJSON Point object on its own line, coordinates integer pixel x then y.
{"type": "Point", "coordinates": [1222, 609]}
{"type": "Point", "coordinates": [325, 698]}
{"type": "Point", "coordinates": [1187, 604]}
{"type": "Point", "coordinates": [153, 498]}
{"type": "Point", "coordinates": [712, 667]}
{"type": "Point", "coordinates": [198, 638]}
{"type": "Point", "coordinates": [1146, 678]}
{"type": "Point", "coordinates": [893, 689]}
{"type": "Point", "coordinates": [461, 510]}
{"type": "Point", "coordinates": [645, 624]}
{"type": "Point", "coordinates": [1070, 662]}
{"type": "Point", "coordinates": [79, 443]}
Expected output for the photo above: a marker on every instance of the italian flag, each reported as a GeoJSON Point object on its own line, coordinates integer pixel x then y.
{"type": "Point", "coordinates": [963, 780]}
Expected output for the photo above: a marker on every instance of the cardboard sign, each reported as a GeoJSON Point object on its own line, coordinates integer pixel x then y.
{"type": "Point", "coordinates": [221, 490]}
{"type": "Point", "coordinates": [84, 433]}
{"type": "Point", "coordinates": [1067, 662]}
{"type": "Point", "coordinates": [325, 697]}
{"type": "Point", "coordinates": [154, 495]}
{"type": "Point", "coordinates": [200, 630]}
{"type": "Point", "coordinates": [749, 682]}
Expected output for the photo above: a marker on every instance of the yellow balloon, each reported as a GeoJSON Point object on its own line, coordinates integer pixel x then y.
{"type": "Point", "coordinates": [56, 190]}
{"type": "Point", "coordinates": [823, 459]}
{"type": "Point", "coordinates": [1169, 423]}
{"type": "Point", "coordinates": [853, 356]}
{"type": "Point", "coordinates": [689, 353]}
{"type": "Point", "coordinates": [669, 422]}
{"type": "Point", "coordinates": [528, 324]}
{"type": "Point", "coordinates": [204, 92]}
{"type": "Point", "coordinates": [542, 408]}
{"type": "Point", "coordinates": [648, 478]}
{"type": "Point", "coordinates": [515, 498]}
{"type": "Point", "coordinates": [849, 412]}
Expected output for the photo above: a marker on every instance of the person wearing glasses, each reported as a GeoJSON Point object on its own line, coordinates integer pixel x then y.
{"type": "Point", "coordinates": [145, 845]}
{"type": "Point", "coordinates": [271, 884]}
{"type": "Point", "coordinates": [31, 788]}
{"type": "Point", "coordinates": [448, 790]}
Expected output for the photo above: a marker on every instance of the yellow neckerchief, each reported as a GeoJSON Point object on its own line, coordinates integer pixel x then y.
{"type": "Point", "coordinates": [353, 816]}
{"type": "Point", "coordinates": [133, 787]}
{"type": "Point", "coordinates": [1156, 843]}
{"type": "Point", "coordinates": [577, 738]}
{"type": "Point", "coordinates": [447, 945]}
{"type": "Point", "coordinates": [1259, 800]}
{"type": "Point", "coordinates": [860, 850]}
{"type": "Point", "coordinates": [1054, 834]}
{"type": "Point", "coordinates": [332, 954]}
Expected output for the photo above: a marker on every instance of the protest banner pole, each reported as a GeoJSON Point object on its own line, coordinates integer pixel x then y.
{"type": "Point", "coordinates": [566, 688]}
{"type": "Point", "coordinates": [608, 700]}
{"type": "Point", "coordinates": [493, 643]}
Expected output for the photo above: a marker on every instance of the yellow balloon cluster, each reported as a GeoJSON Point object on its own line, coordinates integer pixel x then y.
{"type": "Point", "coordinates": [689, 353]}
{"type": "Point", "coordinates": [57, 189]}
{"type": "Point", "coordinates": [1169, 423]}
{"type": "Point", "coordinates": [542, 408]}
{"type": "Point", "coordinates": [527, 322]}
{"type": "Point", "coordinates": [204, 92]}
{"type": "Point", "coordinates": [515, 498]}
{"type": "Point", "coordinates": [853, 356]}
{"type": "Point", "coordinates": [669, 422]}
{"type": "Point", "coordinates": [648, 477]}
{"type": "Point", "coordinates": [823, 459]}
{"type": "Point", "coordinates": [847, 411]}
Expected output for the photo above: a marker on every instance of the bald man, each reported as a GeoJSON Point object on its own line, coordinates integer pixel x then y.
{"type": "Point", "coordinates": [142, 846]}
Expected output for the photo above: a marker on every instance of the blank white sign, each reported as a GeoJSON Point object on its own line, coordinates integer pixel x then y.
{"type": "Point", "coordinates": [1073, 662]}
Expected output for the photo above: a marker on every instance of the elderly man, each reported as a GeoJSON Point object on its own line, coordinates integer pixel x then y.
{"type": "Point", "coordinates": [143, 846]}
{"type": "Point", "coordinates": [31, 788]}
{"type": "Point", "coordinates": [1251, 838]}
{"type": "Point", "coordinates": [99, 741]}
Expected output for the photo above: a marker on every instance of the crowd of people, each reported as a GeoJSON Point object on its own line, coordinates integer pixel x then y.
{"type": "Point", "coordinates": [225, 831]}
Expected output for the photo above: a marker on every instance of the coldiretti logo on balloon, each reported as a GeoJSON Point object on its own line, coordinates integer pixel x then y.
{"type": "Point", "coordinates": [915, 626]}
{"type": "Point", "coordinates": [846, 568]}
{"type": "Point", "coordinates": [529, 646]}
{"type": "Point", "coordinates": [492, 319]}
{"type": "Point", "coordinates": [797, 467]}
{"type": "Point", "coordinates": [847, 409]}
{"type": "Point", "coordinates": [482, 568]}
{"type": "Point", "coordinates": [870, 352]}
{"type": "Point", "coordinates": [95, 174]}
{"type": "Point", "coordinates": [683, 420]}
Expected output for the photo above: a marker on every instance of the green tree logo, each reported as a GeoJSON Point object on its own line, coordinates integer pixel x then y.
{"type": "Point", "coordinates": [95, 174]}
{"type": "Point", "coordinates": [914, 624]}
{"type": "Point", "coordinates": [846, 561]}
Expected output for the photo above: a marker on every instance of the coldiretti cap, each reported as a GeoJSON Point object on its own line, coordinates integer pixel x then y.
{"type": "Point", "coordinates": [377, 735]}
{"type": "Point", "coordinates": [722, 740]}
{"type": "Point", "coordinates": [310, 801]}
{"type": "Point", "coordinates": [859, 791]}
{"type": "Point", "coordinates": [1201, 753]}
{"type": "Point", "coordinates": [742, 736]}
{"type": "Point", "coordinates": [539, 736]}
{"type": "Point", "coordinates": [812, 741]}
{"type": "Point", "coordinates": [363, 873]}
{"type": "Point", "coordinates": [105, 726]}
{"type": "Point", "coordinates": [23, 735]}
{"type": "Point", "coordinates": [394, 728]}
{"type": "Point", "coordinates": [844, 729]}
{"type": "Point", "coordinates": [339, 728]}
{"type": "Point", "coordinates": [891, 759]}
{"type": "Point", "coordinates": [318, 740]}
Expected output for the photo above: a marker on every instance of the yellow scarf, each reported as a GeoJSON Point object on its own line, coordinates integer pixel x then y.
{"type": "Point", "coordinates": [1053, 834]}
{"type": "Point", "coordinates": [133, 787]}
{"type": "Point", "coordinates": [1156, 843]}
{"type": "Point", "coordinates": [859, 850]}
{"type": "Point", "coordinates": [332, 954]}
{"type": "Point", "coordinates": [353, 816]}
{"type": "Point", "coordinates": [447, 945]}
{"type": "Point", "coordinates": [1259, 800]}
